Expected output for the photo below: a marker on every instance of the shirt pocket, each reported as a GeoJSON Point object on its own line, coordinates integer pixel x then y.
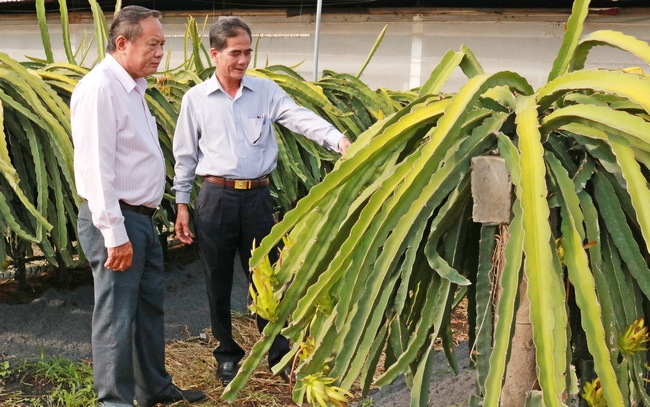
{"type": "Point", "coordinates": [255, 130]}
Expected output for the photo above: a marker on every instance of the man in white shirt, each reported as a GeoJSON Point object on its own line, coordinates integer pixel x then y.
{"type": "Point", "coordinates": [120, 173]}
{"type": "Point", "coordinates": [225, 134]}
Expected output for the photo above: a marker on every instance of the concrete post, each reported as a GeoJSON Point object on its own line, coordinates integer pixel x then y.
{"type": "Point", "coordinates": [492, 194]}
{"type": "Point", "coordinates": [491, 190]}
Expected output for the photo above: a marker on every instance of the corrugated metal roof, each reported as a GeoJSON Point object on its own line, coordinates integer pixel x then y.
{"type": "Point", "coordinates": [299, 7]}
{"type": "Point", "coordinates": [165, 5]}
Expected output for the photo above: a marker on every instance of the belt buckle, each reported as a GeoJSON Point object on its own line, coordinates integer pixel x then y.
{"type": "Point", "coordinates": [243, 184]}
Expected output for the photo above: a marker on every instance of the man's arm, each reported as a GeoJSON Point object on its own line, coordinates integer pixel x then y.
{"type": "Point", "coordinates": [344, 143]}
{"type": "Point", "coordinates": [301, 120]}
{"type": "Point", "coordinates": [186, 153]}
{"type": "Point", "coordinates": [120, 257]}
{"type": "Point", "coordinates": [182, 225]}
{"type": "Point", "coordinates": [94, 131]}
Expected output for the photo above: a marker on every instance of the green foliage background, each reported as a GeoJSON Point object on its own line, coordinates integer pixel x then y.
{"type": "Point", "coordinates": [38, 202]}
{"type": "Point", "coordinates": [384, 242]}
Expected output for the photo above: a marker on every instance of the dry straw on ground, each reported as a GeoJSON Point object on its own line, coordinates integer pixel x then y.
{"type": "Point", "coordinates": [192, 365]}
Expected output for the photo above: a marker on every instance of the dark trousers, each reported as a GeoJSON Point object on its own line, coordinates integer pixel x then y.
{"type": "Point", "coordinates": [228, 220]}
{"type": "Point", "coordinates": [128, 332]}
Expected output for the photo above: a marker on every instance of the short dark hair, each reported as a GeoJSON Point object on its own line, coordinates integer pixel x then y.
{"type": "Point", "coordinates": [227, 28]}
{"type": "Point", "coordinates": [126, 22]}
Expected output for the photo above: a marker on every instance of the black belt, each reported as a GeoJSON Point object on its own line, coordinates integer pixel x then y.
{"type": "Point", "coordinates": [238, 183]}
{"type": "Point", "coordinates": [139, 209]}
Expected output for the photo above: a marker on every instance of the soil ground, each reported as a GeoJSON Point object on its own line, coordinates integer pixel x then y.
{"type": "Point", "coordinates": [56, 320]}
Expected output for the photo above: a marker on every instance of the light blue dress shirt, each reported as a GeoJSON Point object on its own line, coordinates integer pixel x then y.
{"type": "Point", "coordinates": [233, 138]}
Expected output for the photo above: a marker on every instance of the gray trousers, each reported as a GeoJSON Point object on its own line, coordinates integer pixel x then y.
{"type": "Point", "coordinates": [128, 333]}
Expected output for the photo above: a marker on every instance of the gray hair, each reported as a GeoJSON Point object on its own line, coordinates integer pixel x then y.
{"type": "Point", "coordinates": [126, 22]}
{"type": "Point", "coordinates": [227, 28]}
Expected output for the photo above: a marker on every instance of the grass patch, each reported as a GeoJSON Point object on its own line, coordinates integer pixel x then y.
{"type": "Point", "coordinates": [48, 381]}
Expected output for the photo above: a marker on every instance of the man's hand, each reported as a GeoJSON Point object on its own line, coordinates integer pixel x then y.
{"type": "Point", "coordinates": [344, 143]}
{"type": "Point", "coordinates": [120, 257]}
{"type": "Point", "coordinates": [182, 226]}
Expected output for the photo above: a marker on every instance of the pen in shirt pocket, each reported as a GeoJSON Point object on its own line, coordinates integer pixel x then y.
{"type": "Point", "coordinates": [263, 117]}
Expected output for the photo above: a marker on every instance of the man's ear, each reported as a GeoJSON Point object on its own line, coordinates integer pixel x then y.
{"type": "Point", "coordinates": [120, 43]}
{"type": "Point", "coordinates": [213, 55]}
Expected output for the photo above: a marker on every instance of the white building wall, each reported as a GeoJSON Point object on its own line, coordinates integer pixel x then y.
{"type": "Point", "coordinates": [524, 41]}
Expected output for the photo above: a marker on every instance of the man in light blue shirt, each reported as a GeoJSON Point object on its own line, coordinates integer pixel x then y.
{"type": "Point", "coordinates": [225, 134]}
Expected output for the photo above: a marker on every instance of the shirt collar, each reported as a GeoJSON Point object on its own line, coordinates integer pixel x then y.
{"type": "Point", "coordinates": [248, 83]}
{"type": "Point", "coordinates": [125, 79]}
{"type": "Point", "coordinates": [214, 84]}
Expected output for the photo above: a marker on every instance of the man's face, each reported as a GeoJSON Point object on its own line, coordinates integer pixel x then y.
{"type": "Point", "coordinates": [142, 57]}
{"type": "Point", "coordinates": [233, 60]}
